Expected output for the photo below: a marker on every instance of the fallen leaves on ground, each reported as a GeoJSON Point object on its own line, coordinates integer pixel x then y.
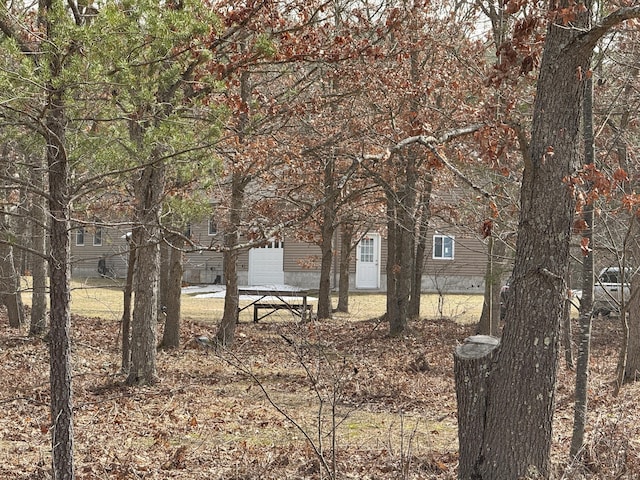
{"type": "Point", "coordinates": [267, 408]}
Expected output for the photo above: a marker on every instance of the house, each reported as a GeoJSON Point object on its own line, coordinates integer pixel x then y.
{"type": "Point", "coordinates": [455, 263]}
{"type": "Point", "coordinates": [98, 251]}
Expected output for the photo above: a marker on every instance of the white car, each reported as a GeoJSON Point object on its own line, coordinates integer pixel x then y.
{"type": "Point", "coordinates": [610, 290]}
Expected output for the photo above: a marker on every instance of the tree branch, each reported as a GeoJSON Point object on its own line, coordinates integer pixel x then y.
{"type": "Point", "coordinates": [444, 138]}
{"type": "Point", "coordinates": [431, 142]}
{"type": "Point", "coordinates": [7, 29]}
{"type": "Point", "coordinates": [458, 173]}
{"type": "Point", "coordinates": [591, 37]}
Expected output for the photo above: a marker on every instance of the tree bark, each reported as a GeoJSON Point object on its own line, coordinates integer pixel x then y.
{"type": "Point", "coordinates": [346, 248]}
{"type": "Point", "coordinates": [145, 312]}
{"type": "Point", "coordinates": [163, 280]}
{"type": "Point", "coordinates": [632, 363]}
{"type": "Point", "coordinates": [586, 301]}
{"type": "Point", "coordinates": [10, 287]}
{"type": "Point", "coordinates": [327, 232]}
{"type": "Point", "coordinates": [396, 323]}
{"type": "Point", "coordinates": [226, 329]}
{"type": "Point", "coordinates": [629, 357]}
{"type": "Point", "coordinates": [171, 334]}
{"type": "Point", "coordinates": [520, 400]}
{"type": "Point", "coordinates": [127, 294]}
{"type": "Point", "coordinates": [9, 274]}
{"type": "Point", "coordinates": [239, 181]}
{"type": "Point", "coordinates": [489, 323]}
{"type": "Point", "coordinates": [416, 213]}
{"type": "Point", "coordinates": [421, 247]}
{"type": "Point", "coordinates": [472, 364]}
{"type": "Point", "coordinates": [60, 297]}
{"type": "Point", "coordinates": [38, 213]}
{"type": "Point", "coordinates": [402, 213]}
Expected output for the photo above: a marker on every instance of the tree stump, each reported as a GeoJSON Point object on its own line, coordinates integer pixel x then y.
{"type": "Point", "coordinates": [472, 365]}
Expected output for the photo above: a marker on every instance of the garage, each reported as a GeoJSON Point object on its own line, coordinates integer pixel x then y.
{"type": "Point", "coordinates": [266, 265]}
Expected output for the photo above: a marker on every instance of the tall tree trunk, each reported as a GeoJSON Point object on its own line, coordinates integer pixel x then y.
{"type": "Point", "coordinates": [421, 247]}
{"type": "Point", "coordinates": [631, 370]}
{"type": "Point", "coordinates": [9, 275]}
{"type": "Point", "coordinates": [60, 279]}
{"type": "Point", "coordinates": [404, 265]}
{"type": "Point", "coordinates": [145, 312]}
{"type": "Point", "coordinates": [567, 332]}
{"type": "Point", "coordinates": [516, 439]}
{"type": "Point", "coordinates": [23, 231]}
{"type": "Point", "coordinates": [489, 323]}
{"type": "Point", "coordinates": [135, 241]}
{"type": "Point", "coordinates": [61, 390]}
{"type": "Point", "coordinates": [163, 280]}
{"type": "Point", "coordinates": [629, 356]}
{"type": "Point", "coordinates": [393, 268]}
{"type": "Point", "coordinates": [328, 227]}
{"type": "Point", "coordinates": [10, 285]}
{"type": "Point", "coordinates": [326, 262]}
{"type": "Point", "coordinates": [226, 329]}
{"type": "Point", "coordinates": [415, 246]}
{"type": "Point", "coordinates": [38, 213]}
{"type": "Point", "coordinates": [490, 317]}
{"type": "Point", "coordinates": [326, 246]}
{"type": "Point", "coordinates": [127, 294]}
{"type": "Point", "coordinates": [346, 247]}
{"type": "Point", "coordinates": [401, 207]}
{"type": "Point", "coordinates": [171, 334]}
{"type": "Point", "coordinates": [405, 257]}
{"type": "Point", "coordinates": [586, 302]}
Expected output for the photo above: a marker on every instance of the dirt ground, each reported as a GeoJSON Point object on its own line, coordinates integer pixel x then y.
{"type": "Point", "coordinates": [283, 398]}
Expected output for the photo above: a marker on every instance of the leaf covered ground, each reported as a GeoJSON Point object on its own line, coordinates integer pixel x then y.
{"type": "Point", "coordinates": [286, 396]}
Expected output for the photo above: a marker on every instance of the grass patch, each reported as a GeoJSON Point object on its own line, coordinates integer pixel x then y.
{"type": "Point", "coordinates": [103, 298]}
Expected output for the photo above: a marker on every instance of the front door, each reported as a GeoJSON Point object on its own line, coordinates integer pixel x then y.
{"type": "Point", "coordinates": [266, 265]}
{"type": "Point", "coordinates": [368, 262]}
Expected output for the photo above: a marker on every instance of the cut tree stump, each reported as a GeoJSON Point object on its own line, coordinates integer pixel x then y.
{"type": "Point", "coordinates": [472, 366]}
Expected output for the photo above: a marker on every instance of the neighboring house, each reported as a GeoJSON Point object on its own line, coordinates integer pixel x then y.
{"type": "Point", "coordinates": [455, 263]}
{"type": "Point", "coordinates": [98, 251]}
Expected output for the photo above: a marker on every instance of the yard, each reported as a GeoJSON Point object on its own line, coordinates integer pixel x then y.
{"type": "Point", "coordinates": [289, 401]}
{"type": "Point", "coordinates": [103, 298]}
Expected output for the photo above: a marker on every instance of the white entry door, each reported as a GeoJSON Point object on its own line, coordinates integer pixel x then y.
{"type": "Point", "coordinates": [368, 262]}
{"type": "Point", "coordinates": [266, 266]}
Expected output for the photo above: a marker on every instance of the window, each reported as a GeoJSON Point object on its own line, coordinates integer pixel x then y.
{"type": "Point", "coordinates": [80, 236]}
{"type": "Point", "coordinates": [443, 246]}
{"type": "Point", "coordinates": [213, 227]}
{"type": "Point", "coordinates": [97, 237]}
{"type": "Point", "coordinates": [612, 275]}
{"type": "Point", "coordinates": [366, 250]}
{"type": "Point", "coordinates": [273, 244]}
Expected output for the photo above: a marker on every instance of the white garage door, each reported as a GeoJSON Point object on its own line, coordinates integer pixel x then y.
{"type": "Point", "coordinates": [266, 264]}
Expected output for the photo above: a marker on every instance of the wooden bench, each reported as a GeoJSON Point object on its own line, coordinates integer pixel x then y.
{"type": "Point", "coordinates": [295, 308]}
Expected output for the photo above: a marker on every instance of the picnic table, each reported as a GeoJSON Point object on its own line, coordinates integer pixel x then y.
{"type": "Point", "coordinates": [272, 298]}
